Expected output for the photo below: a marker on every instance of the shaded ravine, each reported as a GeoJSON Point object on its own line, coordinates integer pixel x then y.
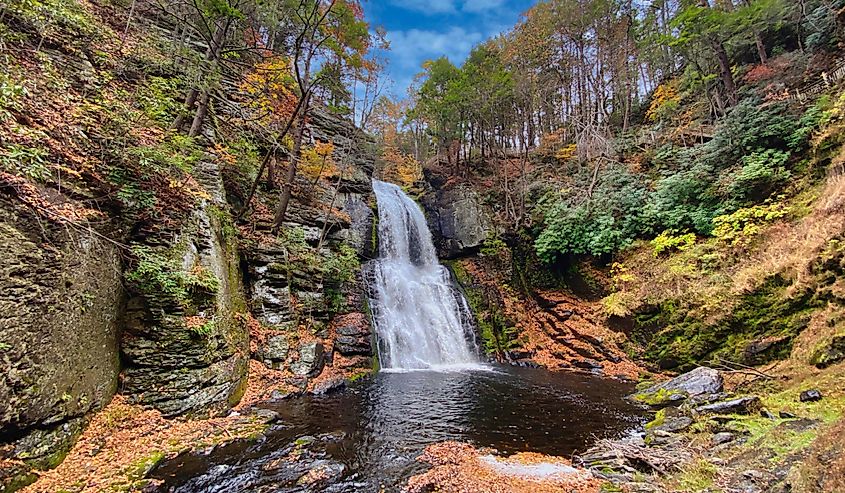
{"type": "Point", "coordinates": [421, 320]}
{"type": "Point", "coordinates": [433, 388]}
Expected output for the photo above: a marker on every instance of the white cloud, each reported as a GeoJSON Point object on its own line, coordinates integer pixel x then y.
{"type": "Point", "coordinates": [427, 6]}
{"type": "Point", "coordinates": [481, 5]}
{"type": "Point", "coordinates": [410, 48]}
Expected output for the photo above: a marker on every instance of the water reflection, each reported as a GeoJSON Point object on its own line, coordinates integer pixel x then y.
{"type": "Point", "coordinates": [379, 427]}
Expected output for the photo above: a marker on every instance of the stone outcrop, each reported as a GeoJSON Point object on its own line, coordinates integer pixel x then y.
{"type": "Point", "coordinates": [293, 288]}
{"type": "Point", "coordinates": [699, 382]}
{"type": "Point", "coordinates": [458, 221]}
{"type": "Point", "coordinates": [189, 356]}
{"type": "Point", "coordinates": [60, 301]}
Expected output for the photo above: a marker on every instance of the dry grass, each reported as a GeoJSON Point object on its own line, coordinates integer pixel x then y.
{"type": "Point", "coordinates": [709, 276]}
{"type": "Point", "coordinates": [789, 247]}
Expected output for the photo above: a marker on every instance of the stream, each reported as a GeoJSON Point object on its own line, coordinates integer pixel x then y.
{"type": "Point", "coordinates": [368, 437]}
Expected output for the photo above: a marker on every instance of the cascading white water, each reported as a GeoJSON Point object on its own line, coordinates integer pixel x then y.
{"type": "Point", "coordinates": [421, 320]}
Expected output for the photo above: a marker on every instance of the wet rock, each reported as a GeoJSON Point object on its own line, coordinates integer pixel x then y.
{"type": "Point", "coordinates": [61, 294]}
{"type": "Point", "coordinates": [702, 380]}
{"type": "Point", "coordinates": [700, 400]}
{"type": "Point", "coordinates": [311, 360]}
{"type": "Point", "coordinates": [329, 386]}
{"type": "Point", "coordinates": [45, 449]}
{"type": "Point", "coordinates": [275, 352]}
{"type": "Point", "coordinates": [587, 364]}
{"type": "Point", "coordinates": [723, 437]}
{"type": "Point", "coordinates": [741, 405]}
{"type": "Point", "coordinates": [767, 414]}
{"type": "Point", "coordinates": [458, 221]}
{"type": "Point", "coordinates": [278, 395]}
{"type": "Point", "coordinates": [786, 415]}
{"type": "Point", "coordinates": [352, 340]}
{"type": "Point", "coordinates": [322, 472]}
{"type": "Point", "coordinates": [673, 424]}
{"type": "Point", "coordinates": [812, 395]}
{"type": "Point", "coordinates": [265, 416]}
{"type": "Point", "coordinates": [301, 383]}
{"type": "Point", "coordinates": [761, 350]}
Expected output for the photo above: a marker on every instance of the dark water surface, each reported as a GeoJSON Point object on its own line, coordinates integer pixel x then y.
{"type": "Point", "coordinates": [370, 435]}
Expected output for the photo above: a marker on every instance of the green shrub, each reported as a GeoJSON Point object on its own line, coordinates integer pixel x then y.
{"type": "Point", "coordinates": [50, 18]}
{"type": "Point", "coordinates": [761, 173]}
{"type": "Point", "coordinates": [685, 201]}
{"type": "Point", "coordinates": [156, 274]}
{"type": "Point", "coordinates": [342, 265]}
{"type": "Point", "coordinates": [815, 117]}
{"type": "Point", "coordinates": [156, 99]}
{"type": "Point", "coordinates": [30, 162]}
{"type": "Point", "coordinates": [11, 93]}
{"type": "Point", "coordinates": [493, 247]}
{"type": "Point", "coordinates": [742, 225]}
{"type": "Point", "coordinates": [605, 223]}
{"type": "Point", "coordinates": [175, 152]}
{"type": "Point", "coordinates": [667, 242]}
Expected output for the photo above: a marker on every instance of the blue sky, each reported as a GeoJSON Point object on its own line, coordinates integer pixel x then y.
{"type": "Point", "coordinates": [419, 30]}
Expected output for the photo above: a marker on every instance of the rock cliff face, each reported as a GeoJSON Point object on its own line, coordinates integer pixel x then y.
{"type": "Point", "coordinates": [185, 349]}
{"type": "Point", "coordinates": [458, 220]}
{"type": "Point", "coordinates": [60, 302]}
{"type": "Point", "coordinates": [311, 304]}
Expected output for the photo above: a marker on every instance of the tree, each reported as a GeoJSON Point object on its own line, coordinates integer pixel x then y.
{"type": "Point", "coordinates": [330, 35]}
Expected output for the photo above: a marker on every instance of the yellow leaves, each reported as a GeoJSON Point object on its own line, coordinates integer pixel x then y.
{"type": "Point", "coordinates": [191, 187]}
{"type": "Point", "coordinates": [271, 85]}
{"type": "Point", "coordinates": [224, 154]}
{"type": "Point", "coordinates": [567, 152]}
{"type": "Point", "coordinates": [401, 169]}
{"type": "Point", "coordinates": [316, 162]}
{"type": "Point", "coordinates": [663, 101]}
{"type": "Point", "coordinates": [324, 149]}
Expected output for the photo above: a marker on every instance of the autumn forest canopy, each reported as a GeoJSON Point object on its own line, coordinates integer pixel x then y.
{"type": "Point", "coordinates": [599, 122]}
{"type": "Point", "coordinates": [591, 123]}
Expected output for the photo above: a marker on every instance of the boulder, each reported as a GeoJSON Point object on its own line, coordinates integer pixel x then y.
{"type": "Point", "coordinates": [329, 386]}
{"type": "Point", "coordinates": [275, 352]}
{"type": "Point", "coordinates": [701, 381]}
{"type": "Point", "coordinates": [742, 405]}
{"type": "Point", "coordinates": [311, 360]}
{"type": "Point", "coordinates": [810, 396]}
{"type": "Point", "coordinates": [458, 221]}
{"type": "Point", "coordinates": [829, 353]}
{"type": "Point", "coordinates": [723, 437]}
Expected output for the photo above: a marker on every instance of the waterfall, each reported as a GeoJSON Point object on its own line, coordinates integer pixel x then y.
{"type": "Point", "coordinates": [420, 319]}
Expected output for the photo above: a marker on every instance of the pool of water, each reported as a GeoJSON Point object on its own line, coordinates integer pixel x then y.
{"type": "Point", "coordinates": [368, 437]}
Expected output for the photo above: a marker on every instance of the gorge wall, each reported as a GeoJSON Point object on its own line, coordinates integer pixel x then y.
{"type": "Point", "coordinates": [124, 267]}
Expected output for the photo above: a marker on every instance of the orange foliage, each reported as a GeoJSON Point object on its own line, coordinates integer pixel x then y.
{"type": "Point", "coordinates": [401, 169]}
{"type": "Point", "coordinates": [760, 73]}
{"type": "Point", "coordinates": [459, 467]}
{"type": "Point", "coordinates": [271, 85]}
{"type": "Point", "coordinates": [317, 162]}
{"type": "Point", "coordinates": [665, 97]}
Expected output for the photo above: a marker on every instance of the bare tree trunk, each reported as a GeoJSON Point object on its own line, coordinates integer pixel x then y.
{"type": "Point", "coordinates": [287, 189]}
{"type": "Point", "coordinates": [271, 172]}
{"type": "Point", "coordinates": [211, 55]}
{"type": "Point", "coordinates": [199, 117]}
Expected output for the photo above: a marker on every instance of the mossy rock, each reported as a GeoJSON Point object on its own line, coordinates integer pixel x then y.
{"type": "Point", "coordinates": [660, 398]}
{"type": "Point", "coordinates": [827, 354]}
